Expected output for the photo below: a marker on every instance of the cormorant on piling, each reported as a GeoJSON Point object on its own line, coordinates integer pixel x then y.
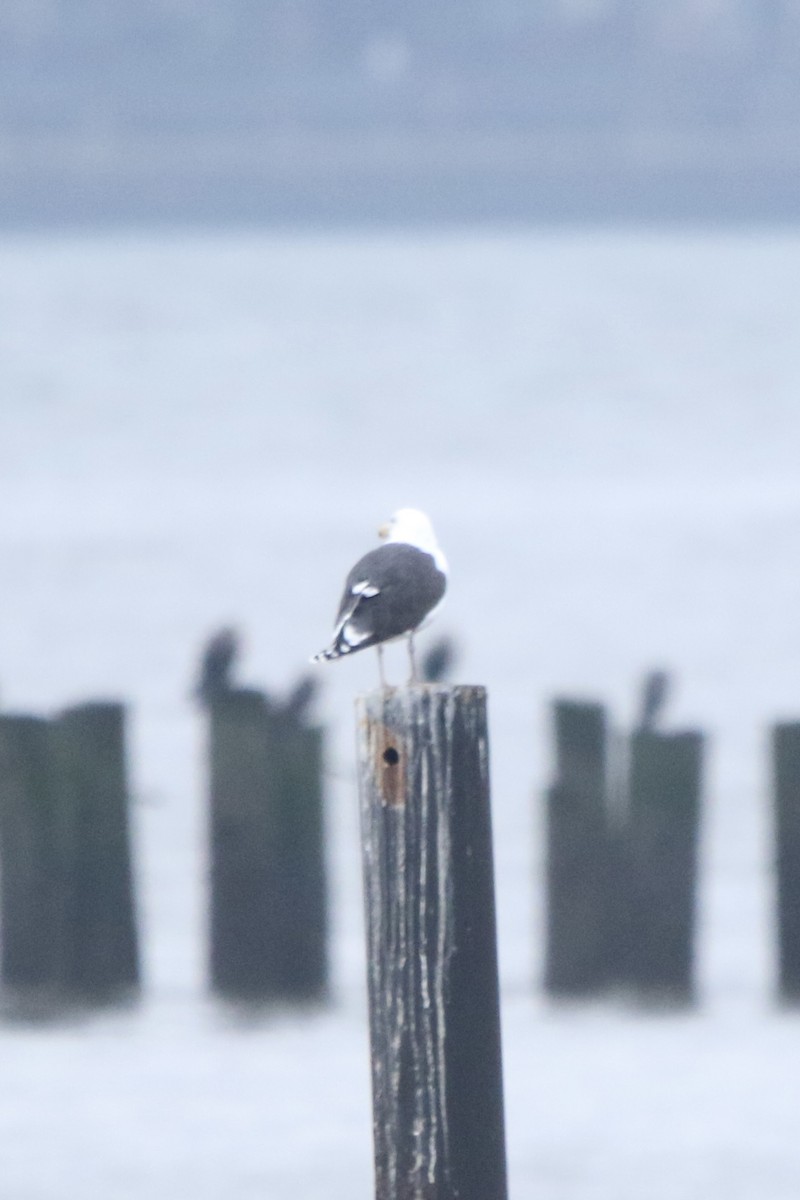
{"type": "Point", "coordinates": [221, 656]}
{"type": "Point", "coordinates": [438, 662]}
{"type": "Point", "coordinates": [216, 666]}
{"type": "Point", "coordinates": [392, 591]}
{"type": "Point", "coordinates": [655, 692]}
{"type": "Point", "coordinates": [299, 699]}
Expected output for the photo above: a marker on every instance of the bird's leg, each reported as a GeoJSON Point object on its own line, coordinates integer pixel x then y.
{"type": "Point", "coordinates": [379, 648]}
{"type": "Point", "coordinates": [412, 658]}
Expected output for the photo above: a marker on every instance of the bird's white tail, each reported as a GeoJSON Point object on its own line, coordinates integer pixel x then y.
{"type": "Point", "coordinates": [330, 652]}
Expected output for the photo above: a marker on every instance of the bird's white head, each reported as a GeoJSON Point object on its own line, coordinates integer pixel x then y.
{"type": "Point", "coordinates": [412, 526]}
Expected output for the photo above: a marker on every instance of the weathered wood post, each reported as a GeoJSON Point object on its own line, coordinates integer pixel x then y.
{"type": "Point", "coordinates": [786, 807]}
{"type": "Point", "coordinates": [578, 952]}
{"type": "Point", "coordinates": [69, 928]}
{"type": "Point", "coordinates": [101, 958]}
{"type": "Point", "coordinates": [299, 859]}
{"type": "Point", "coordinates": [661, 854]}
{"type": "Point", "coordinates": [268, 896]}
{"type": "Point", "coordinates": [431, 941]}
{"type": "Point", "coordinates": [33, 862]}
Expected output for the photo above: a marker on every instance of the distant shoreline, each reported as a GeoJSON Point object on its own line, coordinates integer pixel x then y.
{"type": "Point", "coordinates": [400, 177]}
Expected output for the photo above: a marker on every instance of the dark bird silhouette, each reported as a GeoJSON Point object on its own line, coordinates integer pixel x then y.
{"type": "Point", "coordinates": [438, 662]}
{"type": "Point", "coordinates": [299, 699]}
{"type": "Point", "coordinates": [656, 687]}
{"type": "Point", "coordinates": [216, 665]}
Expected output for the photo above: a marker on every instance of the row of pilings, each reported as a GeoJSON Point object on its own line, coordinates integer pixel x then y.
{"type": "Point", "coordinates": [68, 913]}
{"type": "Point", "coordinates": [623, 834]}
{"type": "Point", "coordinates": [623, 827]}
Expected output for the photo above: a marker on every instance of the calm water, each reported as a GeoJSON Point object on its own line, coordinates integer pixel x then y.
{"type": "Point", "coordinates": [604, 428]}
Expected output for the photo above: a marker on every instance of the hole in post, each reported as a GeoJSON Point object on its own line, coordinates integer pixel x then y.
{"type": "Point", "coordinates": [389, 764]}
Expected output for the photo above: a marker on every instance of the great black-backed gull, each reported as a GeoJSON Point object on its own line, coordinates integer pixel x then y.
{"type": "Point", "coordinates": [392, 591]}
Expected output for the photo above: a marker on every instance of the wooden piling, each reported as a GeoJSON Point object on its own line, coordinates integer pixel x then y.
{"type": "Point", "coordinates": [786, 809]}
{"type": "Point", "coordinates": [268, 895]}
{"type": "Point", "coordinates": [431, 940]}
{"type": "Point", "coordinates": [661, 854]}
{"type": "Point", "coordinates": [69, 930]}
{"type": "Point", "coordinates": [33, 863]}
{"type": "Point", "coordinates": [578, 952]}
{"type": "Point", "coordinates": [101, 960]}
{"type": "Point", "coordinates": [299, 859]}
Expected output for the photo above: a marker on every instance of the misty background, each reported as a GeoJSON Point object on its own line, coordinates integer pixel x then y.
{"type": "Point", "coordinates": [313, 110]}
{"type": "Point", "coordinates": [267, 273]}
